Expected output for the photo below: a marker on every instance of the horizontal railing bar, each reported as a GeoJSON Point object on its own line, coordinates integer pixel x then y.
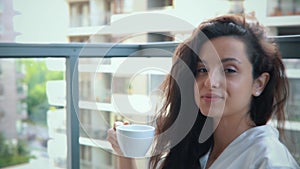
{"type": "Point", "coordinates": [15, 50]}
{"type": "Point", "coordinates": [289, 47]}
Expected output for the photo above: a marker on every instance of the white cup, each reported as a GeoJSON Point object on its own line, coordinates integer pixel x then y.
{"type": "Point", "coordinates": [135, 139]}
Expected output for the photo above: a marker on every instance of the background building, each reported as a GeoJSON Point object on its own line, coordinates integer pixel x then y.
{"type": "Point", "coordinates": [7, 13]}
{"type": "Point", "coordinates": [12, 92]}
{"type": "Point", "coordinates": [11, 89]}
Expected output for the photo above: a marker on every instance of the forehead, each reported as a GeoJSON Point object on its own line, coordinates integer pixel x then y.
{"type": "Point", "coordinates": [223, 47]}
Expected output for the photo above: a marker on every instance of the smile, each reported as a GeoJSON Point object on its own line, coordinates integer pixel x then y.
{"type": "Point", "coordinates": [210, 97]}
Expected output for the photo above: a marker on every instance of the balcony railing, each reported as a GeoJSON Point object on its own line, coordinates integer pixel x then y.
{"type": "Point", "coordinates": [72, 53]}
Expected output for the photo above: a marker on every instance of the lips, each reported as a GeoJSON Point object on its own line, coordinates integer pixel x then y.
{"type": "Point", "coordinates": [212, 97]}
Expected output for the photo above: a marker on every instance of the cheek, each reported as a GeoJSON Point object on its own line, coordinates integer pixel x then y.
{"type": "Point", "coordinates": [197, 93]}
{"type": "Point", "coordinates": [239, 93]}
{"type": "Point", "coordinates": [243, 85]}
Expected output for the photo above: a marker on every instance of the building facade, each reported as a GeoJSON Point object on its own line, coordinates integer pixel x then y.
{"type": "Point", "coordinates": [12, 92]}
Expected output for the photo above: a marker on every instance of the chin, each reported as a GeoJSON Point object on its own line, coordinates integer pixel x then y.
{"type": "Point", "coordinates": [211, 109]}
{"type": "Point", "coordinates": [212, 112]}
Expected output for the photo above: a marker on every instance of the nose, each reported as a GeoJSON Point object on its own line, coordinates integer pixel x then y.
{"type": "Point", "coordinates": [213, 80]}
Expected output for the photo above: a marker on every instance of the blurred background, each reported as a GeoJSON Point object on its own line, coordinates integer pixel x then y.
{"type": "Point", "coordinates": [61, 21]}
{"type": "Point", "coordinates": [33, 90]}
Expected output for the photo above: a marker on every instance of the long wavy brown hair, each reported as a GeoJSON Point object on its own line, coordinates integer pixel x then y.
{"type": "Point", "coordinates": [180, 147]}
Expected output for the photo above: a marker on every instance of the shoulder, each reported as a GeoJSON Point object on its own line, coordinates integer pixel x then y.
{"type": "Point", "coordinates": [257, 148]}
{"type": "Point", "coordinates": [269, 151]}
{"type": "Point", "coordinates": [266, 140]}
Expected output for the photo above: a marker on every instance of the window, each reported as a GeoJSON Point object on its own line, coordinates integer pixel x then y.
{"type": "Point", "coordinates": [283, 7]}
{"type": "Point", "coordinates": [79, 14]}
{"type": "Point", "coordinates": [152, 4]}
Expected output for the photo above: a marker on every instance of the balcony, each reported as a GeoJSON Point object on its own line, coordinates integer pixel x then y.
{"type": "Point", "coordinates": [78, 122]}
{"type": "Point", "coordinates": [74, 118]}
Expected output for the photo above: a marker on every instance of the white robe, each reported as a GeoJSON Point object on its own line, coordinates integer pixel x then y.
{"type": "Point", "coordinates": [256, 148]}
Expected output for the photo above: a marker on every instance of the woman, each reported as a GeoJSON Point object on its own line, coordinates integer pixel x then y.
{"type": "Point", "coordinates": [232, 76]}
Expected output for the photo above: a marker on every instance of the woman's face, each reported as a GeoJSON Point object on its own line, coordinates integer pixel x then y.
{"type": "Point", "coordinates": [224, 84]}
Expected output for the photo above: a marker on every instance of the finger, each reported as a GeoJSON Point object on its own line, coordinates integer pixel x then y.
{"type": "Point", "coordinates": [117, 149]}
{"type": "Point", "coordinates": [117, 123]}
{"type": "Point", "coordinates": [111, 134]}
{"type": "Point", "coordinates": [111, 131]}
{"type": "Point", "coordinates": [114, 143]}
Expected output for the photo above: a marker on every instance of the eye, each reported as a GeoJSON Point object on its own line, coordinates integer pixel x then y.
{"type": "Point", "coordinates": [202, 70]}
{"type": "Point", "coordinates": [230, 70]}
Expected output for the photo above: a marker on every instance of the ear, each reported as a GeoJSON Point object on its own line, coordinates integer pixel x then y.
{"type": "Point", "coordinates": [260, 84]}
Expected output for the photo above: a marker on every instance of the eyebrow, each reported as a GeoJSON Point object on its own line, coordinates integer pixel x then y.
{"type": "Point", "coordinates": [224, 60]}
{"type": "Point", "coordinates": [230, 59]}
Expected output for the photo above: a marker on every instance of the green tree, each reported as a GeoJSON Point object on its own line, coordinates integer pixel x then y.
{"type": "Point", "coordinates": [11, 154]}
{"type": "Point", "coordinates": [36, 77]}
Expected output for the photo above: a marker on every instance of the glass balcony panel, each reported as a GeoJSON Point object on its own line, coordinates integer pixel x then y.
{"type": "Point", "coordinates": [116, 89]}
{"type": "Point", "coordinates": [32, 115]}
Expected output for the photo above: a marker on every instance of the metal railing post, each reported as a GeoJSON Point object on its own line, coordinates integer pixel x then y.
{"type": "Point", "coordinates": [72, 88]}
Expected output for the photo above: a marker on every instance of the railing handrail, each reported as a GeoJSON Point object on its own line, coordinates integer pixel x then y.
{"type": "Point", "coordinates": [289, 47]}
{"type": "Point", "coordinates": [8, 50]}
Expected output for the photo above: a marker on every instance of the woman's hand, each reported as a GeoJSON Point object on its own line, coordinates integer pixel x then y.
{"type": "Point", "coordinates": [123, 162]}
{"type": "Point", "coordinates": [112, 137]}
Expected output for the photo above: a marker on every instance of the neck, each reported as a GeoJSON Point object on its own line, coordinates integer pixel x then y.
{"type": "Point", "coordinates": [228, 129]}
